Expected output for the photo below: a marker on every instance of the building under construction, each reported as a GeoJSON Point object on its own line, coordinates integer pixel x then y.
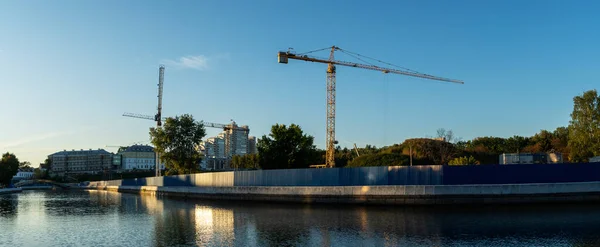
{"type": "Point", "coordinates": [219, 150]}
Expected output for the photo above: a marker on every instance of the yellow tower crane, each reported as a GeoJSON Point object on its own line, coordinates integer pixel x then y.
{"type": "Point", "coordinates": [331, 63]}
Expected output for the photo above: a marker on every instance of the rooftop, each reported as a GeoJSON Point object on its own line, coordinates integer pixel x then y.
{"type": "Point", "coordinates": [81, 152]}
{"type": "Point", "coordinates": [139, 148]}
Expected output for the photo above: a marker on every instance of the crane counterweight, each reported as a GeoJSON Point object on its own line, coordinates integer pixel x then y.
{"type": "Point", "coordinates": [282, 57]}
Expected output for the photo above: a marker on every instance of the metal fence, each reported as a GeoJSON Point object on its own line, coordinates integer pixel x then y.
{"type": "Point", "coordinates": [382, 175]}
{"type": "Point", "coordinates": [521, 173]}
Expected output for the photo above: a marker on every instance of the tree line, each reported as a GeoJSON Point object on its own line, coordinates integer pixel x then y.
{"type": "Point", "coordinates": [10, 166]}
{"type": "Point", "coordinates": [289, 147]}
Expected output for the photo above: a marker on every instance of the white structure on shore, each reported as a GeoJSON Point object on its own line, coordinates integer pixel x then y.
{"type": "Point", "coordinates": [23, 174]}
{"type": "Point", "coordinates": [530, 158]}
{"type": "Point", "coordinates": [138, 157]}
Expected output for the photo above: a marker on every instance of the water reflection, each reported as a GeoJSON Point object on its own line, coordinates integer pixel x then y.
{"type": "Point", "coordinates": [69, 203]}
{"type": "Point", "coordinates": [8, 206]}
{"type": "Point", "coordinates": [252, 224]}
{"type": "Point", "coordinates": [99, 218]}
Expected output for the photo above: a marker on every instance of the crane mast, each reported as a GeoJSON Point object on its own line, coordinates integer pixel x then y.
{"type": "Point", "coordinates": [283, 57]}
{"type": "Point", "coordinates": [330, 153]}
{"type": "Point", "coordinates": [158, 117]}
{"type": "Point", "coordinates": [161, 79]}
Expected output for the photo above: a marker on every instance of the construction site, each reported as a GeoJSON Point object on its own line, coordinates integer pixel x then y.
{"type": "Point", "coordinates": [235, 140]}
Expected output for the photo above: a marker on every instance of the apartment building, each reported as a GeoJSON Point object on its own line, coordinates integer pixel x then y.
{"type": "Point", "coordinates": [138, 157]}
{"type": "Point", "coordinates": [219, 150]}
{"type": "Point", "coordinates": [80, 161]}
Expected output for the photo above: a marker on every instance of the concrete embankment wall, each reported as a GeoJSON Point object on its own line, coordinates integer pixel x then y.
{"type": "Point", "coordinates": [383, 185]}
{"type": "Point", "coordinates": [385, 195]}
{"type": "Point", "coordinates": [10, 191]}
{"type": "Point", "coordinates": [38, 187]}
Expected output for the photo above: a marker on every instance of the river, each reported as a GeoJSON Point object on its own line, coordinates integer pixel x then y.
{"type": "Point", "coordinates": [100, 218]}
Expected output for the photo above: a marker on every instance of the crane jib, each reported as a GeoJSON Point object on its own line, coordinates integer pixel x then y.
{"type": "Point", "coordinates": [284, 56]}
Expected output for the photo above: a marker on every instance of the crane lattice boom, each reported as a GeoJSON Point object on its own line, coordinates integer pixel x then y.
{"type": "Point", "coordinates": [284, 56]}
{"type": "Point", "coordinates": [206, 124]}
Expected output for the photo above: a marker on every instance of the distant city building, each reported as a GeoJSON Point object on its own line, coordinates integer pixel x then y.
{"type": "Point", "coordinates": [530, 158]}
{"type": "Point", "coordinates": [82, 161]}
{"type": "Point", "coordinates": [137, 157]}
{"type": "Point", "coordinates": [252, 145]}
{"type": "Point", "coordinates": [213, 150]}
{"type": "Point", "coordinates": [23, 174]}
{"type": "Point", "coordinates": [443, 139]}
{"type": "Point", "coordinates": [236, 140]}
{"type": "Point", "coordinates": [117, 161]}
{"type": "Point", "coordinates": [218, 151]}
{"type": "Point", "coordinates": [595, 159]}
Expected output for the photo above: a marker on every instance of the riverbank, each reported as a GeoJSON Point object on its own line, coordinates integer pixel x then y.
{"type": "Point", "coordinates": [383, 195]}
{"type": "Point", "coordinates": [38, 187]}
{"type": "Point", "coordinates": [10, 191]}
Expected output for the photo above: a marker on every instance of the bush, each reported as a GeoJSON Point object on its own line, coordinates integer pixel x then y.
{"type": "Point", "coordinates": [463, 161]}
{"type": "Point", "coordinates": [381, 159]}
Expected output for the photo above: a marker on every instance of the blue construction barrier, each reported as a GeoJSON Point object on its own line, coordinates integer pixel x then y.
{"type": "Point", "coordinates": [521, 173]}
{"type": "Point", "coordinates": [381, 175]}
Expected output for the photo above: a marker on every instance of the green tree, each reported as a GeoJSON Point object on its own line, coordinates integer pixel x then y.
{"type": "Point", "coordinates": [496, 145]}
{"type": "Point", "coordinates": [37, 173]}
{"type": "Point", "coordinates": [9, 166]}
{"type": "Point", "coordinates": [343, 156]}
{"type": "Point", "coordinates": [248, 161]}
{"type": "Point", "coordinates": [25, 165]}
{"type": "Point", "coordinates": [47, 166]}
{"type": "Point", "coordinates": [368, 149]}
{"type": "Point", "coordinates": [562, 133]}
{"type": "Point", "coordinates": [515, 144]}
{"type": "Point", "coordinates": [584, 127]}
{"type": "Point", "coordinates": [440, 152]}
{"type": "Point", "coordinates": [177, 143]}
{"type": "Point", "coordinates": [560, 142]}
{"type": "Point", "coordinates": [543, 140]}
{"type": "Point", "coordinates": [380, 159]}
{"type": "Point", "coordinates": [463, 161]}
{"type": "Point", "coordinates": [462, 145]}
{"type": "Point", "coordinates": [286, 147]}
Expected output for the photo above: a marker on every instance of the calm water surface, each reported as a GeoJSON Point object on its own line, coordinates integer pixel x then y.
{"type": "Point", "coordinates": [99, 218]}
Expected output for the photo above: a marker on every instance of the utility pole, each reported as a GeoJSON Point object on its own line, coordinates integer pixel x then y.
{"type": "Point", "coordinates": [410, 153]}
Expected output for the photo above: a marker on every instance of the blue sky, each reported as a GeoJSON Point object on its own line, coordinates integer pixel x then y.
{"type": "Point", "coordinates": [71, 68]}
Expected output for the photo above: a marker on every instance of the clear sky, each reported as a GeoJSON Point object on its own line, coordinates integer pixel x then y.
{"type": "Point", "coordinates": [69, 69]}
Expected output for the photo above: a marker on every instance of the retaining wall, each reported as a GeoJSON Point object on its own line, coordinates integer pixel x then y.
{"type": "Point", "coordinates": [10, 191]}
{"type": "Point", "coordinates": [386, 195]}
